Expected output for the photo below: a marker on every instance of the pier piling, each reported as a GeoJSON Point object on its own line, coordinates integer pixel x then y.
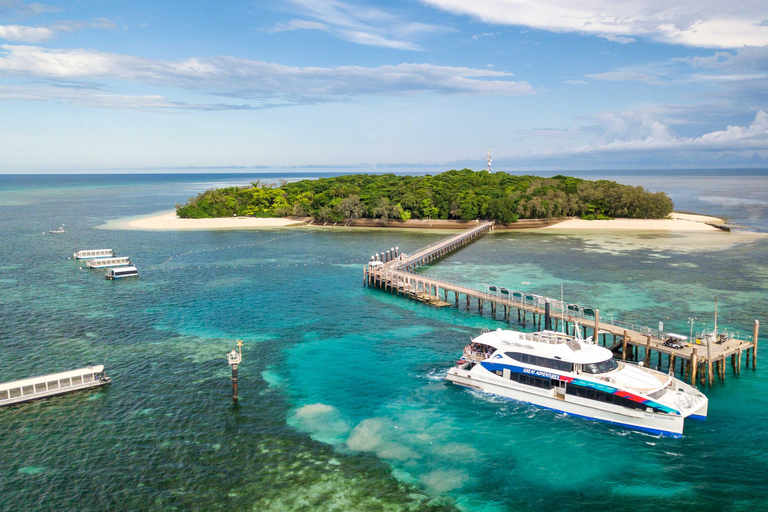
{"type": "Point", "coordinates": [394, 272]}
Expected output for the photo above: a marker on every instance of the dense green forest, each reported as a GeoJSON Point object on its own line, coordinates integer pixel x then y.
{"type": "Point", "coordinates": [464, 194]}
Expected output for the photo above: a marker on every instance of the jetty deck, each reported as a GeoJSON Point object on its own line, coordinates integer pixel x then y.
{"type": "Point", "coordinates": [395, 272]}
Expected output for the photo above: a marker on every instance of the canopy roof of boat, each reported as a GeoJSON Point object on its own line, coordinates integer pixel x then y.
{"type": "Point", "coordinates": [53, 376]}
{"type": "Point", "coordinates": [557, 345]}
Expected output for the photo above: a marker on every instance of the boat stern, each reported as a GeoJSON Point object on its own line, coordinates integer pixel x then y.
{"type": "Point", "coordinates": [700, 414]}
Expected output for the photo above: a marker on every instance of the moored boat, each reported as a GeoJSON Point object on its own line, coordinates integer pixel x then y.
{"type": "Point", "coordinates": [121, 272]}
{"type": "Point", "coordinates": [117, 261]}
{"type": "Point", "coordinates": [54, 384]}
{"type": "Point", "coordinates": [575, 376]}
{"type": "Point", "coordinates": [93, 253]}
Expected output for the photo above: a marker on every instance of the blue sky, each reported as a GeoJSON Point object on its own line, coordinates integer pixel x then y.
{"type": "Point", "coordinates": [552, 84]}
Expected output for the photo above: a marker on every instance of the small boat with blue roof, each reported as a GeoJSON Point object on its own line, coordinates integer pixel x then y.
{"type": "Point", "coordinates": [575, 376]}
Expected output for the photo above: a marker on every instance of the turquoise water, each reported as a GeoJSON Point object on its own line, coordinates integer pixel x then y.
{"type": "Point", "coordinates": [342, 399]}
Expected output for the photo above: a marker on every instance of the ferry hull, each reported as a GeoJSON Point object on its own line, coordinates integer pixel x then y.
{"type": "Point", "coordinates": [668, 425]}
{"type": "Point", "coordinates": [54, 392]}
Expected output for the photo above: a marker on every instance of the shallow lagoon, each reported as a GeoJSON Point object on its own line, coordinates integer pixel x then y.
{"type": "Point", "coordinates": [343, 406]}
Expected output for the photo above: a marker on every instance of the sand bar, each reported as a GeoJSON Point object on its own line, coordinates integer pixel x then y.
{"type": "Point", "coordinates": [702, 223]}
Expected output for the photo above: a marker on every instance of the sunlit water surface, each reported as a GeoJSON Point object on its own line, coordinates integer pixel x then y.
{"type": "Point", "coordinates": [342, 400]}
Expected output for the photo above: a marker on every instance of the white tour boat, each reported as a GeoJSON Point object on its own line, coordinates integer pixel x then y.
{"type": "Point", "coordinates": [94, 253]}
{"type": "Point", "coordinates": [575, 376]}
{"type": "Point", "coordinates": [54, 384]}
{"type": "Point", "coordinates": [118, 261]}
{"type": "Point", "coordinates": [121, 272]}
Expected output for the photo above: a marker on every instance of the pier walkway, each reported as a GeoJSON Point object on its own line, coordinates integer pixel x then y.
{"type": "Point", "coordinates": [703, 360]}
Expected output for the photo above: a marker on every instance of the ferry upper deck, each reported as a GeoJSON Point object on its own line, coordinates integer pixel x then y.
{"type": "Point", "coordinates": [54, 384]}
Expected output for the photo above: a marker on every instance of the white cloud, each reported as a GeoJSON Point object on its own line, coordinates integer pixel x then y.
{"type": "Point", "coordinates": [619, 39]}
{"type": "Point", "coordinates": [747, 58]}
{"type": "Point", "coordinates": [624, 76]}
{"type": "Point", "coordinates": [645, 138]}
{"type": "Point", "coordinates": [713, 24]}
{"type": "Point", "coordinates": [272, 84]}
{"type": "Point", "coordinates": [576, 82]}
{"type": "Point", "coordinates": [18, 8]}
{"type": "Point", "coordinates": [297, 25]}
{"type": "Point", "coordinates": [357, 24]}
{"type": "Point", "coordinates": [632, 126]}
{"type": "Point", "coordinates": [22, 34]}
{"type": "Point", "coordinates": [631, 131]}
{"type": "Point", "coordinates": [93, 97]}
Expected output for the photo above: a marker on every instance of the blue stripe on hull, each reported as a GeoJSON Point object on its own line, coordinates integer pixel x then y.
{"type": "Point", "coordinates": [697, 417]}
{"type": "Point", "coordinates": [665, 433]}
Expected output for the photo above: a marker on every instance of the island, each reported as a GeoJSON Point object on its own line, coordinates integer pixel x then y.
{"type": "Point", "coordinates": [453, 195]}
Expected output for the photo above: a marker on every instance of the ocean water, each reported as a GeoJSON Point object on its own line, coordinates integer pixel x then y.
{"type": "Point", "coordinates": [342, 400]}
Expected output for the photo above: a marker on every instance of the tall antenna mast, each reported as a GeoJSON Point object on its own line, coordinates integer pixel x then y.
{"type": "Point", "coordinates": [489, 161]}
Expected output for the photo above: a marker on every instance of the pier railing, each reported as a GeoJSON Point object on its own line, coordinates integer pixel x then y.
{"type": "Point", "coordinates": [398, 275]}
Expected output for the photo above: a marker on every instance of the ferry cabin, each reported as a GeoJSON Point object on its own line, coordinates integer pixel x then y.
{"type": "Point", "coordinates": [574, 376]}
{"type": "Point", "coordinates": [121, 272]}
{"type": "Point", "coordinates": [117, 261]}
{"type": "Point", "coordinates": [94, 253]}
{"type": "Point", "coordinates": [50, 385]}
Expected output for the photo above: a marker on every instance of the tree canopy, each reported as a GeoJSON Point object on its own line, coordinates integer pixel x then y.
{"type": "Point", "coordinates": [463, 194]}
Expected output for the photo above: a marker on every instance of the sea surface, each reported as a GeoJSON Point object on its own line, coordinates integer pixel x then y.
{"type": "Point", "coordinates": [343, 406]}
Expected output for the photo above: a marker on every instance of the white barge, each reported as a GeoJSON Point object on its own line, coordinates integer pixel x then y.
{"type": "Point", "coordinates": [94, 253]}
{"type": "Point", "coordinates": [575, 376]}
{"type": "Point", "coordinates": [117, 261]}
{"type": "Point", "coordinates": [54, 384]}
{"type": "Point", "coordinates": [121, 272]}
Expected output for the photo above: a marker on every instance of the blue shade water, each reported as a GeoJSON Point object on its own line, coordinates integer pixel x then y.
{"type": "Point", "coordinates": [342, 399]}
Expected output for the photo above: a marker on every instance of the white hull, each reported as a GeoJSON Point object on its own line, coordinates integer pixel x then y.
{"type": "Point", "coordinates": [637, 419]}
{"type": "Point", "coordinates": [94, 254]}
{"type": "Point", "coordinates": [53, 384]}
{"type": "Point", "coordinates": [107, 263]}
{"type": "Point", "coordinates": [53, 392]}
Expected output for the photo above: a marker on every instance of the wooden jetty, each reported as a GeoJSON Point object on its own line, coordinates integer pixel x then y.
{"type": "Point", "coordinates": [394, 272]}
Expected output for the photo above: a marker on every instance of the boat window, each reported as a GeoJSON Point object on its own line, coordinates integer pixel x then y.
{"type": "Point", "coordinates": [28, 390]}
{"type": "Point", "coordinates": [601, 367]}
{"type": "Point", "coordinates": [554, 364]}
{"type": "Point", "coordinates": [15, 392]}
{"type": "Point", "coordinates": [3, 395]}
{"type": "Point", "coordinates": [77, 380]}
{"type": "Point", "coordinates": [88, 378]}
{"type": "Point", "coordinates": [53, 384]}
{"type": "Point", "coordinates": [39, 388]}
{"type": "Point", "coordinates": [65, 383]}
{"type": "Point", "coordinates": [609, 398]}
{"type": "Point", "coordinates": [530, 380]}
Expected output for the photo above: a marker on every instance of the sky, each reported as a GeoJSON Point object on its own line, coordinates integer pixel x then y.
{"type": "Point", "coordinates": [95, 86]}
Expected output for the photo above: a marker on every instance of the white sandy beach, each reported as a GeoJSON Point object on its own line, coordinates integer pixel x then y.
{"type": "Point", "coordinates": [169, 221]}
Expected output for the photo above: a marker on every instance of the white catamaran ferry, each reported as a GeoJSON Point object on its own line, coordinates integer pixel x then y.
{"type": "Point", "coordinates": [55, 384]}
{"type": "Point", "coordinates": [121, 272]}
{"type": "Point", "coordinates": [94, 253]}
{"type": "Point", "coordinates": [575, 376]}
{"type": "Point", "coordinates": [117, 261]}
